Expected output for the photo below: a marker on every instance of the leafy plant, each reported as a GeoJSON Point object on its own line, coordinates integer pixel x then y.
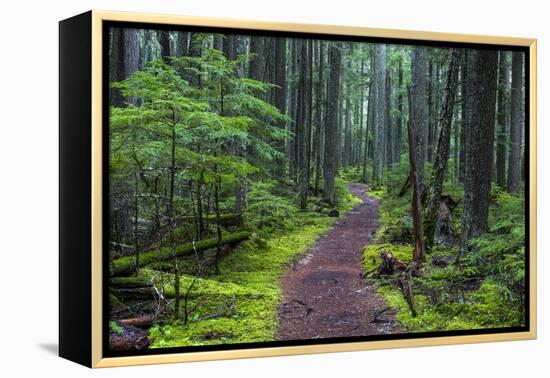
{"type": "Point", "coordinates": [267, 212]}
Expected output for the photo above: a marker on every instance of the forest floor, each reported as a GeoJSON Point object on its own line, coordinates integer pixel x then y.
{"type": "Point", "coordinates": [324, 294]}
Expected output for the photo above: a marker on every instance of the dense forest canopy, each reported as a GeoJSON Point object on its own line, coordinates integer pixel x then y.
{"type": "Point", "coordinates": [230, 154]}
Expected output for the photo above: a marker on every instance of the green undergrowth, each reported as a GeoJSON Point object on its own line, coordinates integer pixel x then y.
{"type": "Point", "coordinates": [448, 298]}
{"type": "Point", "coordinates": [482, 289]}
{"type": "Point", "coordinates": [246, 291]}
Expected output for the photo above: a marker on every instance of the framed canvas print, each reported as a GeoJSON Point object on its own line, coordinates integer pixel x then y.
{"type": "Point", "coordinates": [235, 189]}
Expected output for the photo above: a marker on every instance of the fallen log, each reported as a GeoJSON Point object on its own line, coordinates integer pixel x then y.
{"type": "Point", "coordinates": [225, 219]}
{"type": "Point", "coordinates": [129, 282]}
{"type": "Point", "coordinates": [135, 293]}
{"type": "Point", "coordinates": [127, 265]}
{"type": "Point", "coordinates": [127, 337]}
{"type": "Point", "coordinates": [116, 304]}
{"type": "Point", "coordinates": [143, 322]}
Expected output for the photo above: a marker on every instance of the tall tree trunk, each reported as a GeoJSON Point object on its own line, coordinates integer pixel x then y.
{"type": "Point", "coordinates": [319, 118]}
{"type": "Point", "coordinates": [457, 124]}
{"type": "Point", "coordinates": [379, 132]}
{"type": "Point", "coordinates": [257, 62]}
{"type": "Point", "coordinates": [388, 123]}
{"type": "Point", "coordinates": [302, 129]}
{"type": "Point", "coordinates": [431, 119]}
{"type": "Point", "coordinates": [437, 104]}
{"type": "Point", "coordinates": [331, 122]}
{"type": "Point", "coordinates": [346, 153]}
{"type": "Point", "coordinates": [361, 112]}
{"type": "Point", "coordinates": [218, 42]}
{"type": "Point", "coordinates": [501, 121]}
{"type": "Point", "coordinates": [228, 46]}
{"type": "Point", "coordinates": [280, 98]}
{"type": "Point", "coordinates": [309, 120]}
{"type": "Point", "coordinates": [347, 135]}
{"type": "Point", "coordinates": [293, 142]}
{"type": "Point", "coordinates": [124, 60]}
{"type": "Point", "coordinates": [182, 43]}
{"type": "Point", "coordinates": [164, 41]}
{"type": "Point", "coordinates": [514, 159]}
{"type": "Point", "coordinates": [419, 253]}
{"type": "Point", "coordinates": [419, 111]}
{"type": "Point", "coordinates": [479, 145]}
{"type": "Point", "coordinates": [443, 149]}
{"type": "Point", "coordinates": [400, 110]}
{"type": "Point", "coordinates": [466, 111]}
{"type": "Point", "coordinates": [369, 122]}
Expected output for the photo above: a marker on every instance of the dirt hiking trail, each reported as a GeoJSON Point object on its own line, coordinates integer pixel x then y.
{"type": "Point", "coordinates": [324, 294]}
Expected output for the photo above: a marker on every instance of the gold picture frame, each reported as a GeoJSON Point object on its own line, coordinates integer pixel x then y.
{"type": "Point", "coordinates": [96, 20]}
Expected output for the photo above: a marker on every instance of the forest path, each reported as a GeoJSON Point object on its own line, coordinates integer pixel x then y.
{"type": "Point", "coordinates": [324, 294]}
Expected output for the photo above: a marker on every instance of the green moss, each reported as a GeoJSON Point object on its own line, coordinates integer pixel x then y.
{"type": "Point", "coordinates": [376, 193]}
{"type": "Point", "coordinates": [114, 327]}
{"type": "Point", "coordinates": [484, 291]}
{"type": "Point", "coordinates": [115, 303]}
{"type": "Point", "coordinates": [249, 277]}
{"type": "Point", "coordinates": [440, 304]}
{"type": "Point", "coordinates": [129, 282]}
{"type": "Point", "coordinates": [125, 265]}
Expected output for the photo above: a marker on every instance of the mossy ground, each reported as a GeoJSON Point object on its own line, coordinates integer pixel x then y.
{"type": "Point", "coordinates": [483, 290]}
{"type": "Point", "coordinates": [250, 277]}
{"type": "Point", "coordinates": [475, 304]}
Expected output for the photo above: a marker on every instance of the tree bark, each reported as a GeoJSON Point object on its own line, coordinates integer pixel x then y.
{"type": "Point", "coordinates": [228, 46]}
{"type": "Point", "coordinates": [257, 62]}
{"type": "Point", "coordinates": [293, 102]}
{"type": "Point", "coordinates": [331, 122]}
{"type": "Point", "coordinates": [479, 145]}
{"type": "Point", "coordinates": [465, 111]}
{"type": "Point", "coordinates": [388, 149]}
{"type": "Point", "coordinates": [443, 150]}
{"type": "Point", "coordinates": [319, 118]}
{"type": "Point", "coordinates": [309, 123]}
{"type": "Point", "coordinates": [514, 160]}
{"type": "Point", "coordinates": [431, 119]}
{"type": "Point", "coordinates": [280, 98]}
{"type": "Point", "coordinates": [400, 110]}
{"type": "Point", "coordinates": [369, 122]}
{"type": "Point", "coordinates": [302, 127]}
{"type": "Point", "coordinates": [419, 111]}
{"type": "Point", "coordinates": [346, 153]}
{"type": "Point", "coordinates": [379, 132]}
{"type": "Point", "coordinates": [164, 41]}
{"type": "Point", "coordinates": [124, 60]}
{"type": "Point", "coordinates": [419, 255]}
{"type": "Point", "coordinates": [501, 120]}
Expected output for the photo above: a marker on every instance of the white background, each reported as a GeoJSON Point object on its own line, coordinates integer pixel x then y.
{"type": "Point", "coordinates": [29, 189]}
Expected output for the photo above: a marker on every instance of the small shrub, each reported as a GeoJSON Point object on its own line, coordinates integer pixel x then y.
{"type": "Point", "coordinates": [267, 212]}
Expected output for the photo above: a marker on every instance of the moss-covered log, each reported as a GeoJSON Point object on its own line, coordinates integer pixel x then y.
{"type": "Point", "coordinates": [116, 304]}
{"type": "Point", "coordinates": [225, 219]}
{"type": "Point", "coordinates": [141, 293]}
{"type": "Point", "coordinates": [129, 282]}
{"type": "Point", "coordinates": [127, 265]}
